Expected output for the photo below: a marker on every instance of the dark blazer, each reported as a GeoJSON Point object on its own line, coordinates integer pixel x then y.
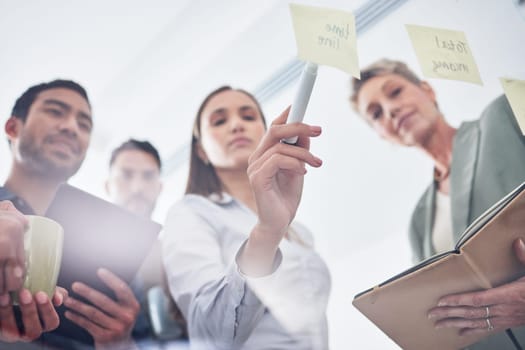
{"type": "Point", "coordinates": [488, 161]}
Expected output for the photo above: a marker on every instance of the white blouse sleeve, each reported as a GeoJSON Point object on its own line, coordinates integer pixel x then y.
{"type": "Point", "coordinates": [220, 309]}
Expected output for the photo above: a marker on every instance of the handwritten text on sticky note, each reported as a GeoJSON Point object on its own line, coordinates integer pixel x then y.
{"type": "Point", "coordinates": [515, 92]}
{"type": "Point", "coordinates": [326, 36]}
{"type": "Point", "coordinates": [444, 54]}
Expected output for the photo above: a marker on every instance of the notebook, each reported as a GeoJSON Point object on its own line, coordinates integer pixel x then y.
{"type": "Point", "coordinates": [483, 258]}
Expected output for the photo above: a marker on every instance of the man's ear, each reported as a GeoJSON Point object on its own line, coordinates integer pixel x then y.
{"type": "Point", "coordinates": [12, 128]}
{"type": "Point", "coordinates": [160, 186]}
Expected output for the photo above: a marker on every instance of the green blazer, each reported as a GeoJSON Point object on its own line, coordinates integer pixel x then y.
{"type": "Point", "coordinates": [488, 161]}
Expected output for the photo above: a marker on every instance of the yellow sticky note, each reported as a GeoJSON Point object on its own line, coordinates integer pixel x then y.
{"type": "Point", "coordinates": [444, 54]}
{"type": "Point", "coordinates": [515, 92]}
{"type": "Point", "coordinates": [326, 36]}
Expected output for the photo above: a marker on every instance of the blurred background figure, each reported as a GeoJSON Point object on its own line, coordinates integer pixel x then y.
{"type": "Point", "coordinates": [134, 177]}
{"type": "Point", "coordinates": [134, 183]}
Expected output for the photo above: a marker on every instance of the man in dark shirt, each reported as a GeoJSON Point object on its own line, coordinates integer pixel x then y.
{"type": "Point", "coordinates": [49, 132]}
{"type": "Point", "coordinates": [134, 183]}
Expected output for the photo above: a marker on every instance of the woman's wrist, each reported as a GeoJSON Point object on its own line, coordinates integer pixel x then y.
{"type": "Point", "coordinates": [258, 254]}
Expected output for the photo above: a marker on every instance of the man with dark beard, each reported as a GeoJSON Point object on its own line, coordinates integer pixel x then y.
{"type": "Point", "coordinates": [134, 177]}
{"type": "Point", "coordinates": [134, 183]}
{"type": "Point", "coordinates": [49, 132]}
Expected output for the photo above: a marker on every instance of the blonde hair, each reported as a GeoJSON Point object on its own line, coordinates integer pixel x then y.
{"type": "Point", "coordinates": [381, 67]}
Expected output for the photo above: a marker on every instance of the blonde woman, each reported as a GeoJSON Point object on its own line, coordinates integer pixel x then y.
{"type": "Point", "coordinates": [475, 165]}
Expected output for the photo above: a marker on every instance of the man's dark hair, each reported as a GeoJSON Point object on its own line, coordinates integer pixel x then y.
{"type": "Point", "coordinates": [24, 102]}
{"type": "Point", "coordinates": [133, 144]}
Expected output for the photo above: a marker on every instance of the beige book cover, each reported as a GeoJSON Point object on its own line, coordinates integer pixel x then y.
{"type": "Point", "coordinates": [483, 258]}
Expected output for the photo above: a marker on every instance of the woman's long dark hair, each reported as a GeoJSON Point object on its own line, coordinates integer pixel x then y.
{"type": "Point", "coordinates": [202, 178]}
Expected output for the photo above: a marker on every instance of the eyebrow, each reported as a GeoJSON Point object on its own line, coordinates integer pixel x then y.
{"type": "Point", "coordinates": [372, 105]}
{"type": "Point", "coordinates": [246, 108]}
{"type": "Point", "coordinates": [219, 111]}
{"type": "Point", "coordinates": [151, 172]}
{"type": "Point", "coordinates": [63, 105]}
{"type": "Point", "coordinates": [370, 108]}
{"type": "Point", "coordinates": [383, 89]}
{"type": "Point", "coordinates": [385, 86]}
{"type": "Point", "coordinates": [51, 101]}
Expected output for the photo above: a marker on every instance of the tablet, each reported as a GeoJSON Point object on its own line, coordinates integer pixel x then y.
{"type": "Point", "coordinates": [97, 234]}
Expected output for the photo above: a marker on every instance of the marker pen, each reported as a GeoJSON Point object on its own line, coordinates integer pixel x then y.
{"type": "Point", "coordinates": [302, 96]}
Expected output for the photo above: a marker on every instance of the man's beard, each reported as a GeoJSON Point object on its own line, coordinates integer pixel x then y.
{"type": "Point", "coordinates": [35, 159]}
{"type": "Point", "coordinates": [145, 208]}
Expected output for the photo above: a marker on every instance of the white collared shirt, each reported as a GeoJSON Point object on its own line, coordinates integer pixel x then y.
{"type": "Point", "coordinates": [227, 310]}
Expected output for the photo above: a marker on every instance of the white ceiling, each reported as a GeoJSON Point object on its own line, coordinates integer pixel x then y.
{"type": "Point", "coordinates": [147, 66]}
{"type": "Point", "coordinates": [141, 63]}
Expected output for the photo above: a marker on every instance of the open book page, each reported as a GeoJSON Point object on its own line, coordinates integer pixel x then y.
{"type": "Point", "coordinates": [489, 250]}
{"type": "Point", "coordinates": [471, 231]}
{"type": "Point", "coordinates": [484, 259]}
{"type": "Point", "coordinates": [413, 269]}
{"type": "Point", "coordinates": [481, 221]}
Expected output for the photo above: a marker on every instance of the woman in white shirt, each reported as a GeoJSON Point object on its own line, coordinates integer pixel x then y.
{"type": "Point", "coordinates": [244, 275]}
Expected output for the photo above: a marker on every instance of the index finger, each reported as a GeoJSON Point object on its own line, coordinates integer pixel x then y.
{"type": "Point", "coordinates": [6, 205]}
{"type": "Point", "coordinates": [9, 211]}
{"type": "Point", "coordinates": [279, 132]}
{"type": "Point", "coordinates": [9, 207]}
{"type": "Point", "coordinates": [59, 296]}
{"type": "Point", "coordinates": [303, 142]}
{"type": "Point", "coordinates": [98, 299]}
{"type": "Point", "coordinates": [281, 119]}
{"type": "Point", "coordinates": [499, 295]}
{"type": "Point", "coordinates": [122, 291]}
